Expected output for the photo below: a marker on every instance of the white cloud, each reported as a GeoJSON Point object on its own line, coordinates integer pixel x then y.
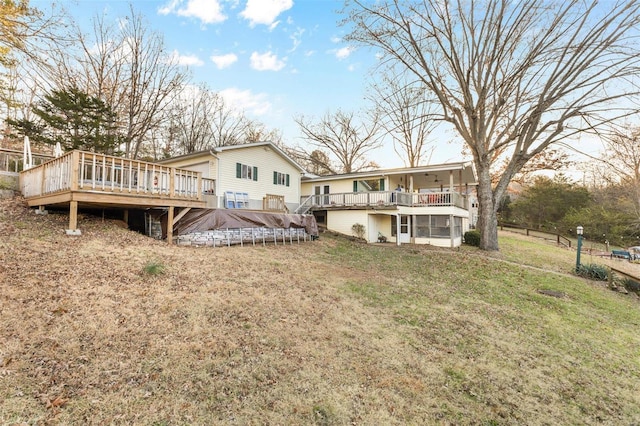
{"type": "Point", "coordinates": [224, 61]}
{"type": "Point", "coordinates": [208, 11]}
{"type": "Point", "coordinates": [265, 11]}
{"type": "Point", "coordinates": [186, 60]}
{"type": "Point", "coordinates": [245, 100]}
{"type": "Point", "coordinates": [343, 53]}
{"type": "Point", "coordinates": [296, 37]}
{"type": "Point", "coordinates": [266, 62]}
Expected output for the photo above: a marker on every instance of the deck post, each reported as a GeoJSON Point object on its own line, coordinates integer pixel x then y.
{"type": "Point", "coordinates": [125, 216]}
{"type": "Point", "coordinates": [170, 226]}
{"type": "Point", "coordinates": [73, 219]}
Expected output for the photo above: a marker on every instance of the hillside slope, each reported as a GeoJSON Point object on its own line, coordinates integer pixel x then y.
{"type": "Point", "coordinates": [329, 332]}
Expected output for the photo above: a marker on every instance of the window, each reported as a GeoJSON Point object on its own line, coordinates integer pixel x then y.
{"type": "Point", "coordinates": [368, 185]}
{"type": "Point", "coordinates": [246, 172]}
{"type": "Point", "coordinates": [280, 179]}
{"type": "Point", "coordinates": [436, 226]}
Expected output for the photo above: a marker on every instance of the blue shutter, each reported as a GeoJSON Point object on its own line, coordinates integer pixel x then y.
{"type": "Point", "coordinates": [238, 170]}
{"type": "Point", "coordinates": [275, 178]}
{"type": "Point", "coordinates": [255, 173]}
{"type": "Point", "coordinates": [381, 184]}
{"type": "Point", "coordinates": [355, 186]}
{"type": "Point", "coordinates": [287, 180]}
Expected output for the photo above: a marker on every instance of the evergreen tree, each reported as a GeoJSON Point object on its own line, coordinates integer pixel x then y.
{"type": "Point", "coordinates": [74, 119]}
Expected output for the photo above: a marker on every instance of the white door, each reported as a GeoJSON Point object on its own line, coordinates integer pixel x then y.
{"type": "Point", "coordinates": [405, 229]}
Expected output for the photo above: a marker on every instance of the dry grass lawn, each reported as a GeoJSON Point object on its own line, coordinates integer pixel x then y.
{"type": "Point", "coordinates": [114, 328]}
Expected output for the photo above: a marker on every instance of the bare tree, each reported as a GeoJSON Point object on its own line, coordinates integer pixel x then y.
{"type": "Point", "coordinates": [27, 35]}
{"type": "Point", "coordinates": [258, 132]}
{"type": "Point", "coordinates": [230, 126]}
{"type": "Point", "coordinates": [27, 31]}
{"type": "Point", "coordinates": [189, 119]}
{"type": "Point", "coordinates": [511, 77]}
{"type": "Point", "coordinates": [346, 137]}
{"type": "Point", "coordinates": [621, 158]}
{"type": "Point", "coordinates": [314, 161]}
{"type": "Point", "coordinates": [552, 160]}
{"type": "Point", "coordinates": [406, 114]}
{"type": "Point", "coordinates": [128, 67]}
{"type": "Point", "coordinates": [200, 119]}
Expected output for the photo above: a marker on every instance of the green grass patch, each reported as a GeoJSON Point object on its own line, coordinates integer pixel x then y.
{"type": "Point", "coordinates": [153, 268]}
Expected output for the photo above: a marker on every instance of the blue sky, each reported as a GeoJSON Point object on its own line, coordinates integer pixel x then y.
{"type": "Point", "coordinates": [274, 59]}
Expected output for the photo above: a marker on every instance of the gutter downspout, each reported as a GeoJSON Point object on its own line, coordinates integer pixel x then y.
{"type": "Point", "coordinates": [218, 192]}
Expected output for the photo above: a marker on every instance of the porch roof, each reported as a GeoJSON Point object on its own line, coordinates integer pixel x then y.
{"type": "Point", "coordinates": [423, 176]}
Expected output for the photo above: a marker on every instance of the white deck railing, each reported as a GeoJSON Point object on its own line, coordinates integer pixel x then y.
{"type": "Point", "coordinates": [86, 171]}
{"type": "Point", "coordinates": [385, 198]}
{"type": "Point", "coordinates": [11, 161]}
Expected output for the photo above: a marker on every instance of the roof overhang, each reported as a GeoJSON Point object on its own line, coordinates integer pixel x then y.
{"type": "Point", "coordinates": [217, 150]}
{"type": "Point", "coordinates": [462, 173]}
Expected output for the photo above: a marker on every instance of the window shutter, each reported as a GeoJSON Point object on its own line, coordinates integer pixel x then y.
{"type": "Point", "coordinates": [255, 173]}
{"type": "Point", "coordinates": [238, 170]}
{"type": "Point", "coordinates": [381, 184]}
{"type": "Point", "coordinates": [275, 178]}
{"type": "Point", "coordinates": [287, 180]}
{"type": "Point", "coordinates": [355, 186]}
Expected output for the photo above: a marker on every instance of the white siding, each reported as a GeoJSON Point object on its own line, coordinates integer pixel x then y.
{"type": "Point", "coordinates": [379, 223]}
{"type": "Point", "coordinates": [306, 188]}
{"type": "Point", "coordinates": [335, 186]}
{"type": "Point", "coordinates": [342, 220]}
{"type": "Point", "coordinates": [204, 163]}
{"type": "Point", "coordinates": [267, 161]}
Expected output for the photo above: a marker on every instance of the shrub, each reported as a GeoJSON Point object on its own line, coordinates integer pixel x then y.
{"type": "Point", "coordinates": [358, 230]}
{"type": "Point", "coordinates": [593, 271]}
{"type": "Point", "coordinates": [472, 238]}
{"type": "Point", "coordinates": [8, 183]}
{"type": "Point", "coordinates": [631, 285]}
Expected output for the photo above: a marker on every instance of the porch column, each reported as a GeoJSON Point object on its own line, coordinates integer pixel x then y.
{"type": "Point", "coordinates": [398, 229]}
{"type": "Point", "coordinates": [450, 180]}
{"type": "Point", "coordinates": [410, 183]}
{"type": "Point", "coordinates": [414, 228]}
{"type": "Point", "coordinates": [170, 226]}
{"type": "Point", "coordinates": [451, 230]}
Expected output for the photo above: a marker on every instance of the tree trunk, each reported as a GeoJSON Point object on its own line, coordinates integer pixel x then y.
{"type": "Point", "coordinates": [487, 216]}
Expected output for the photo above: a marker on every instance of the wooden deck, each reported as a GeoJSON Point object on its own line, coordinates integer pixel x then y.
{"type": "Point", "coordinates": [381, 199]}
{"type": "Point", "coordinates": [87, 179]}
